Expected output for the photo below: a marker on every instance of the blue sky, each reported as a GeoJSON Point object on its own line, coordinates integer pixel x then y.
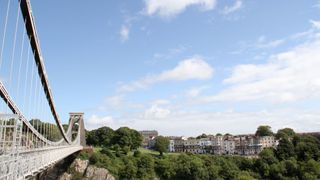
{"type": "Point", "coordinates": [184, 67]}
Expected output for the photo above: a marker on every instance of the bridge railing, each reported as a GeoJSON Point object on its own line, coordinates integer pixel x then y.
{"type": "Point", "coordinates": [10, 134]}
{"type": "Point", "coordinates": [19, 162]}
{"type": "Point", "coordinates": [33, 137]}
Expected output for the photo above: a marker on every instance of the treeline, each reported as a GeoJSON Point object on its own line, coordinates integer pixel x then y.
{"type": "Point", "coordinates": [296, 157]}
{"type": "Point", "coordinates": [122, 140]}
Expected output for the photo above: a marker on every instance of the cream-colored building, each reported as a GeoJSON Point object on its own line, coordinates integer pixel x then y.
{"type": "Point", "coordinates": [228, 146]}
{"type": "Point", "coordinates": [193, 146]}
{"type": "Point", "coordinates": [266, 141]}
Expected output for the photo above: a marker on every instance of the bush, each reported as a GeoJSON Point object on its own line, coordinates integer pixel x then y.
{"type": "Point", "coordinates": [94, 158]}
{"type": "Point", "coordinates": [84, 155]}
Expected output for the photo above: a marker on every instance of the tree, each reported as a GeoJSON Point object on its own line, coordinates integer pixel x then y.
{"type": "Point", "coordinates": [100, 137]}
{"type": "Point", "coordinates": [291, 167]}
{"type": "Point", "coordinates": [161, 144]}
{"type": "Point", "coordinates": [165, 167]}
{"type": "Point", "coordinates": [277, 171]}
{"type": "Point", "coordinates": [145, 164]}
{"type": "Point", "coordinates": [183, 167]}
{"type": "Point", "coordinates": [285, 133]}
{"type": "Point", "coordinates": [136, 139]}
{"type": "Point", "coordinates": [264, 131]}
{"type": "Point", "coordinates": [267, 155]}
{"type": "Point", "coordinates": [198, 169]}
{"type": "Point", "coordinates": [307, 147]}
{"type": "Point", "coordinates": [105, 134]}
{"type": "Point", "coordinates": [129, 170]}
{"type": "Point", "coordinates": [285, 149]}
{"type": "Point", "coordinates": [229, 169]}
{"type": "Point", "coordinates": [202, 136]}
{"type": "Point", "coordinates": [126, 138]}
{"type": "Point", "coordinates": [266, 160]}
{"type": "Point", "coordinates": [313, 167]}
{"type": "Point", "coordinates": [244, 175]}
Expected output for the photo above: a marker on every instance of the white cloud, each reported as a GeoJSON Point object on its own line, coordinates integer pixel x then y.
{"type": "Point", "coordinates": [117, 103]}
{"type": "Point", "coordinates": [156, 112]}
{"type": "Point", "coordinates": [270, 44]}
{"type": "Point", "coordinates": [305, 34]}
{"type": "Point", "coordinates": [161, 102]}
{"type": "Point", "coordinates": [115, 100]}
{"type": "Point", "coordinates": [250, 72]}
{"type": "Point", "coordinates": [96, 122]}
{"type": "Point", "coordinates": [194, 68]}
{"type": "Point", "coordinates": [193, 123]}
{"type": "Point", "coordinates": [169, 55]}
{"type": "Point", "coordinates": [195, 91]}
{"type": "Point", "coordinates": [124, 33]}
{"type": "Point", "coordinates": [169, 8]}
{"type": "Point", "coordinates": [262, 43]}
{"type": "Point", "coordinates": [315, 24]}
{"type": "Point", "coordinates": [236, 6]}
{"type": "Point", "coordinates": [286, 77]}
{"type": "Point", "coordinates": [189, 69]}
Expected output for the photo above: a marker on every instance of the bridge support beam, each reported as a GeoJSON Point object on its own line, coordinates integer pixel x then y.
{"type": "Point", "coordinates": [77, 117]}
{"type": "Point", "coordinates": [35, 46]}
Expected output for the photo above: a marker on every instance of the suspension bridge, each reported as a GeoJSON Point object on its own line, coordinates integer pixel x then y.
{"type": "Point", "coordinates": [32, 135]}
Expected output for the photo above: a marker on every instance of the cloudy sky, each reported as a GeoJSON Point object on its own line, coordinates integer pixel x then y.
{"type": "Point", "coordinates": [184, 67]}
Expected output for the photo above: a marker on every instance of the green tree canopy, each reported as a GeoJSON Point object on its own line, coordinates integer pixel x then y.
{"type": "Point", "coordinates": [202, 136]}
{"type": "Point", "coordinates": [161, 144]}
{"type": "Point", "coordinates": [100, 137]}
{"type": "Point", "coordinates": [285, 133]}
{"type": "Point", "coordinates": [127, 138]}
{"type": "Point", "coordinates": [285, 149]}
{"type": "Point", "coordinates": [264, 131]}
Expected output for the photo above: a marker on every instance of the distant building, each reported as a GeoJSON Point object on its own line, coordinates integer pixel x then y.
{"type": "Point", "coordinates": [148, 136]}
{"type": "Point", "coordinates": [266, 141]}
{"type": "Point", "coordinates": [228, 146]}
{"type": "Point", "coordinates": [217, 143]}
{"type": "Point", "coordinates": [176, 143]}
{"type": "Point", "coordinates": [247, 145]}
{"type": "Point", "coordinates": [149, 133]}
{"type": "Point", "coordinates": [151, 143]}
{"type": "Point", "coordinates": [171, 146]}
{"type": "Point", "coordinates": [179, 145]}
{"type": "Point", "coordinates": [206, 145]}
{"type": "Point", "coordinates": [193, 146]}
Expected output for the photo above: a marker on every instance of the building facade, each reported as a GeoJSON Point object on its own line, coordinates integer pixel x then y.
{"type": "Point", "coordinates": [245, 145]}
{"type": "Point", "coordinates": [148, 137]}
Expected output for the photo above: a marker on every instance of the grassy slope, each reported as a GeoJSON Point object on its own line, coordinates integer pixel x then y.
{"type": "Point", "coordinates": [148, 151]}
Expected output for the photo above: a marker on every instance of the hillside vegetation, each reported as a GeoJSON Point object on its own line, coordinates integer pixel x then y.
{"type": "Point", "coordinates": [296, 157]}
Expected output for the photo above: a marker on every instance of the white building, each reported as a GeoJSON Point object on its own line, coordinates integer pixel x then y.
{"type": "Point", "coordinates": [229, 146]}
{"type": "Point", "coordinates": [171, 146]}
{"type": "Point", "coordinates": [205, 142]}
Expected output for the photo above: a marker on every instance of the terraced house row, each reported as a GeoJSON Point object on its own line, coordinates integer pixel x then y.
{"type": "Point", "coordinates": [222, 144]}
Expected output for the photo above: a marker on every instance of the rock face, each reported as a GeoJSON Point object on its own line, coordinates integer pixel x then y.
{"type": "Point", "coordinates": [65, 176]}
{"type": "Point", "coordinates": [88, 172]}
{"type": "Point", "coordinates": [95, 173]}
{"type": "Point", "coordinates": [80, 165]}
